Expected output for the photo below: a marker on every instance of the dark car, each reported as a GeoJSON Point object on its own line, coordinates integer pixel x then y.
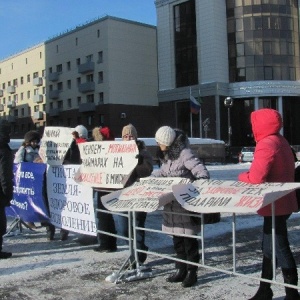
{"type": "Point", "coordinates": [246, 154]}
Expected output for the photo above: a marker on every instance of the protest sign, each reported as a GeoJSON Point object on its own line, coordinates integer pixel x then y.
{"type": "Point", "coordinates": [106, 164]}
{"type": "Point", "coordinates": [146, 195]}
{"type": "Point", "coordinates": [54, 144]}
{"type": "Point", "coordinates": [29, 201]}
{"type": "Point", "coordinates": [71, 204]}
{"type": "Point", "coordinates": [208, 196]}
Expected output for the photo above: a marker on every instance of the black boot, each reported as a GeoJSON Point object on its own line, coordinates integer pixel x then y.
{"type": "Point", "coordinates": [190, 279]}
{"type": "Point", "coordinates": [50, 232]}
{"type": "Point", "coordinates": [290, 276]}
{"type": "Point", "coordinates": [264, 292]}
{"type": "Point", "coordinates": [179, 275]}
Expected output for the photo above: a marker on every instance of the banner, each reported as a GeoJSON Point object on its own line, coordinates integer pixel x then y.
{"type": "Point", "coordinates": [29, 201]}
{"type": "Point", "coordinates": [106, 164]}
{"type": "Point", "coordinates": [208, 196]}
{"type": "Point", "coordinates": [146, 195]}
{"type": "Point", "coordinates": [71, 204]}
{"type": "Point", "coordinates": [54, 144]}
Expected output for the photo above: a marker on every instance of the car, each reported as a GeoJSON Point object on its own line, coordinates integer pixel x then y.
{"type": "Point", "coordinates": [246, 154]}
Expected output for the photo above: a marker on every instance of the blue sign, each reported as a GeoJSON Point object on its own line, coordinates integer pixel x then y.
{"type": "Point", "coordinates": [29, 200]}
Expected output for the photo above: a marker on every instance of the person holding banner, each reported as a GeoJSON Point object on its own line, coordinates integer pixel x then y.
{"type": "Point", "coordinates": [178, 160]}
{"type": "Point", "coordinates": [6, 180]}
{"type": "Point", "coordinates": [143, 169]}
{"type": "Point", "coordinates": [273, 162]}
{"type": "Point", "coordinates": [29, 152]}
{"type": "Point", "coordinates": [107, 243]}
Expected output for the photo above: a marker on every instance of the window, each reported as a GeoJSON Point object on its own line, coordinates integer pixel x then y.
{"type": "Point", "coordinates": [69, 103]}
{"type": "Point", "coordinates": [78, 80]}
{"type": "Point", "coordinates": [28, 78]}
{"type": "Point", "coordinates": [22, 96]}
{"type": "Point", "coordinates": [36, 108]}
{"type": "Point", "coordinates": [59, 68]}
{"type": "Point", "coordinates": [89, 58]}
{"type": "Point", "coordinates": [78, 61]}
{"type": "Point", "coordinates": [101, 98]}
{"type": "Point", "coordinates": [28, 94]}
{"type": "Point", "coordinates": [78, 100]}
{"type": "Point", "coordinates": [60, 104]}
{"type": "Point", "coordinates": [60, 86]}
{"type": "Point", "coordinates": [43, 73]}
{"type": "Point", "coordinates": [69, 84]}
{"type": "Point", "coordinates": [16, 113]}
{"type": "Point", "coordinates": [51, 105]}
{"type": "Point", "coordinates": [22, 112]}
{"type": "Point", "coordinates": [98, 33]}
{"type": "Point", "coordinates": [90, 98]}
{"type": "Point", "coordinates": [76, 41]}
{"type": "Point", "coordinates": [90, 78]}
{"type": "Point", "coordinates": [15, 82]}
{"type": "Point", "coordinates": [100, 77]}
{"type": "Point", "coordinates": [69, 66]}
{"type": "Point", "coordinates": [36, 92]}
{"type": "Point", "coordinates": [22, 80]}
{"type": "Point", "coordinates": [50, 70]}
{"type": "Point", "coordinates": [35, 74]}
{"type": "Point", "coordinates": [100, 57]}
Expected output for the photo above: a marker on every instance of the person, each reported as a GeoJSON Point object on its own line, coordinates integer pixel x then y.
{"type": "Point", "coordinates": [273, 162]}
{"type": "Point", "coordinates": [81, 134]}
{"type": "Point", "coordinates": [178, 160]}
{"type": "Point", "coordinates": [6, 181]}
{"type": "Point", "coordinates": [143, 169]}
{"type": "Point", "coordinates": [107, 243]}
{"type": "Point", "coordinates": [29, 152]}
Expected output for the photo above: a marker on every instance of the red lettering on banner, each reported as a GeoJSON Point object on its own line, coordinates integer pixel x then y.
{"type": "Point", "coordinates": [90, 177]}
{"type": "Point", "coordinates": [248, 201]}
{"type": "Point", "coordinates": [122, 148]}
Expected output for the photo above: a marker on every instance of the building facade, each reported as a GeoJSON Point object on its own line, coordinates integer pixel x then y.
{"type": "Point", "coordinates": [247, 50]}
{"type": "Point", "coordinates": [100, 73]}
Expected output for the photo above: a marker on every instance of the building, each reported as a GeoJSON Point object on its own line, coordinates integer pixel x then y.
{"type": "Point", "coordinates": [247, 50]}
{"type": "Point", "coordinates": [103, 72]}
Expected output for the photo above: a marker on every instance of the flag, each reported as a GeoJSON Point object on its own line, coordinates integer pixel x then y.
{"type": "Point", "coordinates": [195, 105]}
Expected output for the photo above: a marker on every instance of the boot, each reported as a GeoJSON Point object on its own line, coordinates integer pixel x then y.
{"type": "Point", "coordinates": [264, 292]}
{"type": "Point", "coordinates": [290, 276]}
{"type": "Point", "coordinates": [50, 232]}
{"type": "Point", "coordinates": [190, 279]}
{"type": "Point", "coordinates": [179, 275]}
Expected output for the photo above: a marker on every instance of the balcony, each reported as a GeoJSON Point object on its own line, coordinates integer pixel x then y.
{"type": "Point", "coordinates": [1, 93]}
{"type": "Point", "coordinates": [54, 94]}
{"type": "Point", "coordinates": [54, 112]}
{"type": "Point", "coordinates": [86, 67]}
{"type": "Point", "coordinates": [38, 98]}
{"type": "Point", "coordinates": [54, 76]}
{"type": "Point", "coordinates": [11, 89]}
{"type": "Point", "coordinates": [38, 81]}
{"type": "Point", "coordinates": [1, 107]}
{"type": "Point", "coordinates": [38, 115]}
{"type": "Point", "coordinates": [11, 119]}
{"type": "Point", "coordinates": [11, 104]}
{"type": "Point", "coordinates": [86, 87]}
{"type": "Point", "coordinates": [87, 107]}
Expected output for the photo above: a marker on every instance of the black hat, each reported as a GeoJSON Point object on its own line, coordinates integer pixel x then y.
{"type": "Point", "coordinates": [31, 136]}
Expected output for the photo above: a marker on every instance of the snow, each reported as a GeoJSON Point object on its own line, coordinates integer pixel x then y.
{"type": "Point", "coordinates": [40, 269]}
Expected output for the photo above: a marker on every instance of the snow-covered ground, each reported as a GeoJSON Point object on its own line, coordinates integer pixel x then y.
{"type": "Point", "coordinates": [40, 269]}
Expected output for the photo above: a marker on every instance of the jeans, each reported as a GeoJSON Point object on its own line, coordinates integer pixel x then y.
{"type": "Point", "coordinates": [140, 234]}
{"type": "Point", "coordinates": [284, 256]}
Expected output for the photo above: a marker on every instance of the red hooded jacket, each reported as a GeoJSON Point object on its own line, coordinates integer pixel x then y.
{"type": "Point", "coordinates": [273, 159]}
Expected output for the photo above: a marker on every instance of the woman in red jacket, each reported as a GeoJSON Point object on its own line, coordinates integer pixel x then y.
{"type": "Point", "coordinates": [273, 162]}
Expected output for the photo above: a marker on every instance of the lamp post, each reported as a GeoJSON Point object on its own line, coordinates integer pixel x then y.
{"type": "Point", "coordinates": [228, 102]}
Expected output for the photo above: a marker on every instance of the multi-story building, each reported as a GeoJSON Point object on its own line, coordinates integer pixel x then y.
{"type": "Point", "coordinates": [103, 72]}
{"type": "Point", "coordinates": [247, 50]}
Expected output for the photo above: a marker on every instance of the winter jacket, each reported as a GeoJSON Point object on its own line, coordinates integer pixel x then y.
{"type": "Point", "coordinates": [180, 161]}
{"type": "Point", "coordinates": [144, 167]}
{"type": "Point", "coordinates": [6, 166]}
{"type": "Point", "coordinates": [273, 159]}
{"type": "Point", "coordinates": [26, 154]}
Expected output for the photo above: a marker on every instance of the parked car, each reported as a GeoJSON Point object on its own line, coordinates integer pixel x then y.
{"type": "Point", "coordinates": [246, 154]}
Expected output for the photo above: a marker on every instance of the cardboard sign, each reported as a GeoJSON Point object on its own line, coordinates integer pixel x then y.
{"type": "Point", "coordinates": [106, 164]}
{"type": "Point", "coordinates": [209, 196]}
{"type": "Point", "coordinates": [71, 205]}
{"type": "Point", "coordinates": [55, 144]}
{"type": "Point", "coordinates": [146, 195]}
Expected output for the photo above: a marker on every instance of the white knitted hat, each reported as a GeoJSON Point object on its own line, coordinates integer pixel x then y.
{"type": "Point", "coordinates": [165, 135]}
{"type": "Point", "coordinates": [82, 131]}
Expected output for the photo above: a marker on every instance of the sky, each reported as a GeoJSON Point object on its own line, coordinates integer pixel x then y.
{"type": "Point", "coordinates": [26, 23]}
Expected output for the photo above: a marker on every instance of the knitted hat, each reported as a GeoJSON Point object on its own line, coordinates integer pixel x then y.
{"type": "Point", "coordinates": [130, 130]}
{"type": "Point", "coordinates": [82, 131]}
{"type": "Point", "coordinates": [31, 135]}
{"type": "Point", "coordinates": [165, 135]}
{"type": "Point", "coordinates": [107, 134]}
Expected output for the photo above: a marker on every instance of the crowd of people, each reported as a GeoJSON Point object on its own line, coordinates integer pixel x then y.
{"type": "Point", "coordinates": [273, 162]}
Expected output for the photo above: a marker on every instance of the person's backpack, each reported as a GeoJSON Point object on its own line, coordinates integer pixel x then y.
{"type": "Point", "coordinates": [297, 179]}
